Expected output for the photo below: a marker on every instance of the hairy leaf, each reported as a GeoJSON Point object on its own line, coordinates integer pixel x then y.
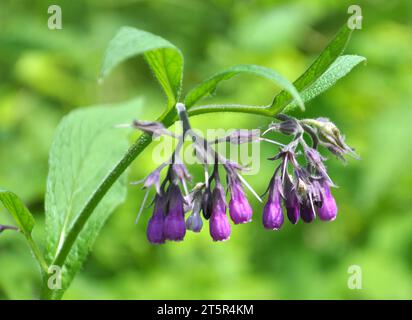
{"type": "Point", "coordinates": [18, 211]}
{"type": "Point", "coordinates": [87, 146]}
{"type": "Point", "coordinates": [165, 60]}
{"type": "Point", "coordinates": [333, 50]}
{"type": "Point", "coordinates": [209, 85]}
{"type": "Point", "coordinates": [340, 68]}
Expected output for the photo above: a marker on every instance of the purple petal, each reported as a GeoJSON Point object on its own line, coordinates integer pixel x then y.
{"type": "Point", "coordinates": [329, 209]}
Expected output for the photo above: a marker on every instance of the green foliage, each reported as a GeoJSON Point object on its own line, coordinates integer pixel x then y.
{"type": "Point", "coordinates": [328, 56]}
{"type": "Point", "coordinates": [86, 146]}
{"type": "Point", "coordinates": [209, 85]}
{"type": "Point", "coordinates": [165, 60]}
{"type": "Point", "coordinates": [340, 68]}
{"type": "Point", "coordinates": [18, 210]}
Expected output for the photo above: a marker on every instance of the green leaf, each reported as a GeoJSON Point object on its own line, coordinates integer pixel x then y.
{"type": "Point", "coordinates": [86, 147]}
{"type": "Point", "coordinates": [209, 85]}
{"type": "Point", "coordinates": [18, 210]}
{"type": "Point", "coordinates": [340, 68]}
{"type": "Point", "coordinates": [165, 60]}
{"type": "Point", "coordinates": [333, 50]}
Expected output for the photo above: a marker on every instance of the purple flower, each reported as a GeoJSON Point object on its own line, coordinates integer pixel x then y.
{"type": "Point", "coordinates": [272, 212]}
{"type": "Point", "coordinates": [194, 222]}
{"type": "Point", "coordinates": [154, 232]}
{"type": "Point", "coordinates": [239, 208]}
{"type": "Point", "coordinates": [219, 223]}
{"type": "Point", "coordinates": [207, 203]}
{"type": "Point", "coordinates": [291, 200]}
{"type": "Point", "coordinates": [292, 207]}
{"type": "Point", "coordinates": [328, 210]}
{"type": "Point", "coordinates": [306, 211]}
{"type": "Point", "coordinates": [174, 226]}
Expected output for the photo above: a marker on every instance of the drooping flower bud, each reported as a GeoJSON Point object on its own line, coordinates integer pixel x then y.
{"type": "Point", "coordinates": [239, 208]}
{"type": "Point", "coordinates": [194, 222]}
{"type": "Point", "coordinates": [329, 209]}
{"type": "Point", "coordinates": [174, 227]}
{"type": "Point", "coordinates": [306, 211]}
{"type": "Point", "coordinates": [291, 201]}
{"type": "Point", "coordinates": [155, 233]}
{"type": "Point", "coordinates": [219, 223]}
{"type": "Point", "coordinates": [272, 212]}
{"type": "Point", "coordinates": [207, 203]}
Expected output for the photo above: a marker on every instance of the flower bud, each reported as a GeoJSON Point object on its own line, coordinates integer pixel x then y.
{"type": "Point", "coordinates": [292, 207]}
{"type": "Point", "coordinates": [291, 200]}
{"type": "Point", "coordinates": [306, 211]}
{"type": "Point", "coordinates": [219, 223]}
{"type": "Point", "coordinates": [154, 231]}
{"type": "Point", "coordinates": [239, 208]}
{"type": "Point", "coordinates": [272, 212]}
{"type": "Point", "coordinates": [207, 203]}
{"type": "Point", "coordinates": [174, 227]}
{"type": "Point", "coordinates": [331, 138]}
{"type": "Point", "coordinates": [194, 222]}
{"type": "Point", "coordinates": [328, 210]}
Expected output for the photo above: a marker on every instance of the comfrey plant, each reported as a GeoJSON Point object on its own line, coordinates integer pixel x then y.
{"type": "Point", "coordinates": [89, 158]}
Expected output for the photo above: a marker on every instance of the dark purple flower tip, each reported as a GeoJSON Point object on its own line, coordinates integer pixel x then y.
{"type": "Point", "coordinates": [207, 203]}
{"type": "Point", "coordinates": [219, 223]}
{"type": "Point", "coordinates": [239, 208]}
{"type": "Point", "coordinates": [272, 212]}
{"type": "Point", "coordinates": [292, 207]}
{"type": "Point", "coordinates": [291, 200]}
{"type": "Point", "coordinates": [329, 209]}
{"type": "Point", "coordinates": [306, 211]}
{"type": "Point", "coordinates": [174, 226]}
{"type": "Point", "coordinates": [155, 227]}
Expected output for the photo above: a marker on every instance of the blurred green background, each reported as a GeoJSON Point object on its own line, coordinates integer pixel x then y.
{"type": "Point", "coordinates": [45, 74]}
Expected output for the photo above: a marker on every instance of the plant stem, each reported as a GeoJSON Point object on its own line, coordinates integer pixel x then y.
{"type": "Point", "coordinates": [239, 108]}
{"type": "Point", "coordinates": [37, 254]}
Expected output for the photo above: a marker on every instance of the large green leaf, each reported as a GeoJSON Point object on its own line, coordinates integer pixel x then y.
{"type": "Point", "coordinates": [333, 50]}
{"type": "Point", "coordinates": [209, 85]}
{"type": "Point", "coordinates": [164, 58]}
{"type": "Point", "coordinates": [18, 211]}
{"type": "Point", "coordinates": [340, 68]}
{"type": "Point", "coordinates": [85, 149]}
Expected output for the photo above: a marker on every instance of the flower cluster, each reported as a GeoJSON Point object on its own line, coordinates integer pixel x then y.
{"type": "Point", "coordinates": [307, 189]}
{"type": "Point", "coordinates": [303, 190]}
